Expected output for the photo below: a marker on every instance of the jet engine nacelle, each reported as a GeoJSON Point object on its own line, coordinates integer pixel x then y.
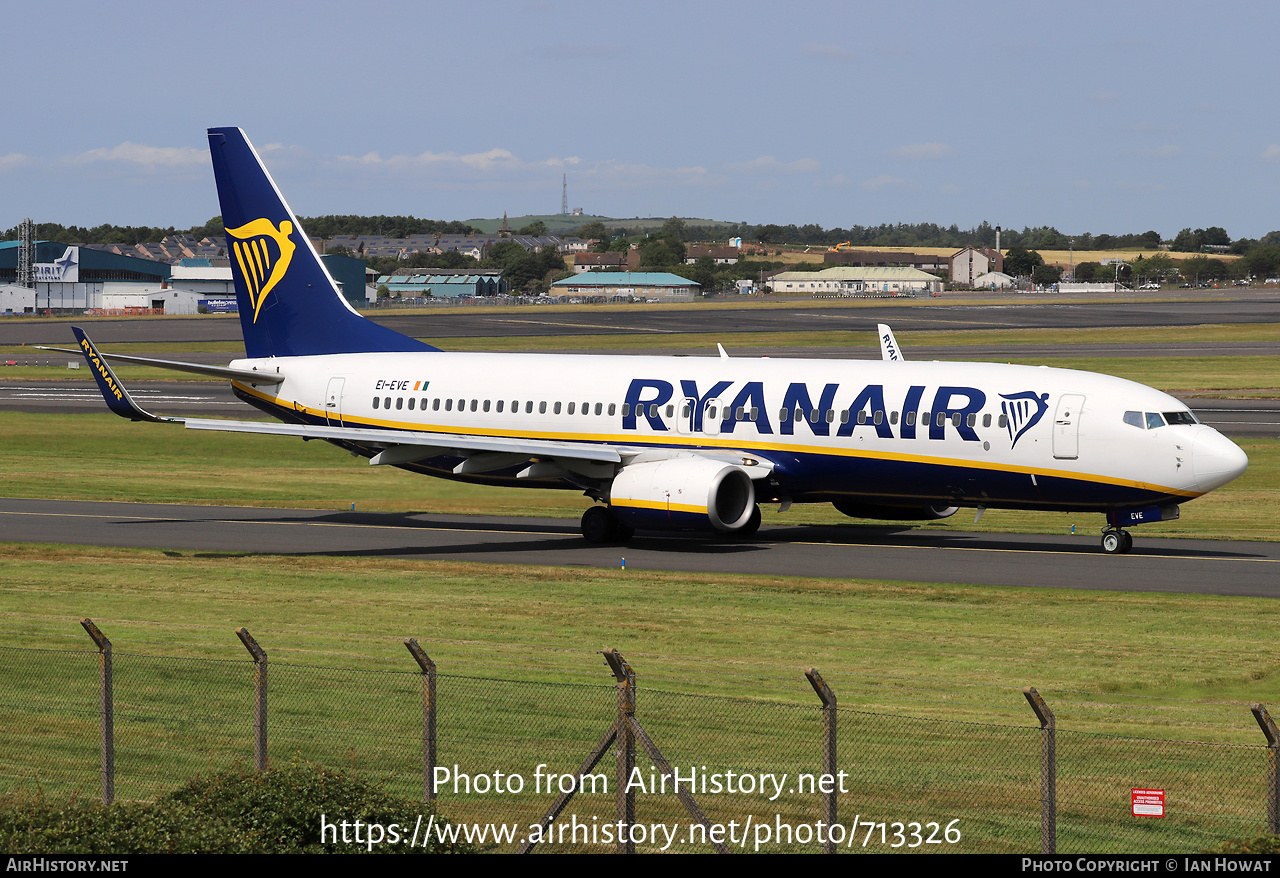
{"type": "Point", "coordinates": [857, 509]}
{"type": "Point", "coordinates": [687, 493]}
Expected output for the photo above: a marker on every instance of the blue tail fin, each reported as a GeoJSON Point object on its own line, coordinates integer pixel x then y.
{"type": "Point", "coordinates": [289, 305]}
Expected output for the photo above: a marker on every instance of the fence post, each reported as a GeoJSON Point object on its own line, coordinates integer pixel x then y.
{"type": "Point", "coordinates": [1268, 726]}
{"type": "Point", "coordinates": [106, 720]}
{"type": "Point", "coordinates": [829, 724]}
{"type": "Point", "coordinates": [259, 698]}
{"type": "Point", "coordinates": [625, 799]}
{"type": "Point", "coordinates": [1048, 771]}
{"type": "Point", "coordinates": [428, 718]}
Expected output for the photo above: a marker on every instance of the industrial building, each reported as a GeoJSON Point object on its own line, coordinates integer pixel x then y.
{"type": "Point", "coordinates": [70, 279]}
{"type": "Point", "coordinates": [844, 282]}
{"type": "Point", "coordinates": [445, 285]}
{"type": "Point", "coordinates": [639, 284]}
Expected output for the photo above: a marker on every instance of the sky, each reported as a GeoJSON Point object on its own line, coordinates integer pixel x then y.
{"type": "Point", "coordinates": [1106, 117]}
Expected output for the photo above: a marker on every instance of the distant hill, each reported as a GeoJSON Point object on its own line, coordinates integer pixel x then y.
{"type": "Point", "coordinates": [559, 224]}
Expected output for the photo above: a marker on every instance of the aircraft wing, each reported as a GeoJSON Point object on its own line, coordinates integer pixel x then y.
{"type": "Point", "coordinates": [418, 445]}
{"type": "Point", "coordinates": [481, 453]}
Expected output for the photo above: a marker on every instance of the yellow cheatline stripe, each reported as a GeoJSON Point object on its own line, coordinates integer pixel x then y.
{"type": "Point", "coordinates": [662, 505]}
{"type": "Point", "coordinates": [733, 444]}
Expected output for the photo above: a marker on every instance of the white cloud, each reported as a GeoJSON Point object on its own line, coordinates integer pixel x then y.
{"type": "Point", "coordinates": [826, 50]}
{"type": "Point", "coordinates": [918, 151]}
{"type": "Point", "coordinates": [1271, 153]}
{"type": "Point", "coordinates": [145, 156]}
{"type": "Point", "coordinates": [882, 181]}
{"type": "Point", "coordinates": [13, 160]}
{"type": "Point", "coordinates": [489, 162]}
{"type": "Point", "coordinates": [1167, 151]}
{"type": "Point", "coordinates": [767, 164]}
{"type": "Point", "coordinates": [623, 175]}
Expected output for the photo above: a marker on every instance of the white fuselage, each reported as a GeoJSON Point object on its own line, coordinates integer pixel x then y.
{"type": "Point", "coordinates": [976, 434]}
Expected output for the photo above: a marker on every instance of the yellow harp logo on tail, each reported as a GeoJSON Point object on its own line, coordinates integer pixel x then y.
{"type": "Point", "coordinates": [263, 253]}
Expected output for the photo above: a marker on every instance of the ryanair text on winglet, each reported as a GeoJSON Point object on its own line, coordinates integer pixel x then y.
{"type": "Point", "coordinates": [102, 369]}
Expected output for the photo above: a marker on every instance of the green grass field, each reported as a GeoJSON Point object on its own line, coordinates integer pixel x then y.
{"type": "Point", "coordinates": [929, 678]}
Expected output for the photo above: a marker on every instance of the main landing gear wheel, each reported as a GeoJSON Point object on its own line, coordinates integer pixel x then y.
{"type": "Point", "coordinates": [1116, 542]}
{"type": "Point", "coordinates": [600, 526]}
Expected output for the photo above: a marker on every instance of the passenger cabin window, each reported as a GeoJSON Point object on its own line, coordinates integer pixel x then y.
{"type": "Point", "coordinates": [375, 402]}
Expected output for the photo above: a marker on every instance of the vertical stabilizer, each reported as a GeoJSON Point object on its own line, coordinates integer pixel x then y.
{"type": "Point", "coordinates": [289, 305]}
{"type": "Point", "coordinates": [889, 349]}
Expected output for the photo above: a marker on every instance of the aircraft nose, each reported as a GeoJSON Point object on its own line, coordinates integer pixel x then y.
{"type": "Point", "coordinates": [1216, 460]}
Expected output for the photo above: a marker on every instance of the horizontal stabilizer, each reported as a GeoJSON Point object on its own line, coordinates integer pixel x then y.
{"type": "Point", "coordinates": [178, 366]}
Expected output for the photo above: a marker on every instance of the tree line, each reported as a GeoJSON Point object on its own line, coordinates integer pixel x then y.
{"type": "Point", "coordinates": [316, 226]}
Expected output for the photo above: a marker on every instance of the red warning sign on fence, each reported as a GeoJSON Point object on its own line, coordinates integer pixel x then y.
{"type": "Point", "coordinates": [1148, 803]}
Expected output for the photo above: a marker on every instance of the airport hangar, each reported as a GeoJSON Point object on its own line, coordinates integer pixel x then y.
{"type": "Point", "coordinates": [73, 279]}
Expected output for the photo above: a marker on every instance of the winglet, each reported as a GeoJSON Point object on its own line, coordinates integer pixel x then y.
{"type": "Point", "coordinates": [889, 349]}
{"type": "Point", "coordinates": [118, 399]}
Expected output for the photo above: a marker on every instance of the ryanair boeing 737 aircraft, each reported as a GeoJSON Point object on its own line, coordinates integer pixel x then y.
{"type": "Point", "coordinates": [677, 443]}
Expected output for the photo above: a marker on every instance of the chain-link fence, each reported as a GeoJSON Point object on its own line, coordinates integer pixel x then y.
{"type": "Point", "coordinates": [582, 763]}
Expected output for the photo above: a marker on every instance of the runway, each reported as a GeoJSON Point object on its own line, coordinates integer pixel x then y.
{"type": "Point", "coordinates": [848, 552]}
{"type": "Point", "coordinates": [1038, 311]}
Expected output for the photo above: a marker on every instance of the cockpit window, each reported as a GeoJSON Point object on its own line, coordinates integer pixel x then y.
{"type": "Point", "coordinates": [1180, 418]}
{"type": "Point", "coordinates": [1154, 420]}
{"type": "Point", "coordinates": [1134, 419]}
